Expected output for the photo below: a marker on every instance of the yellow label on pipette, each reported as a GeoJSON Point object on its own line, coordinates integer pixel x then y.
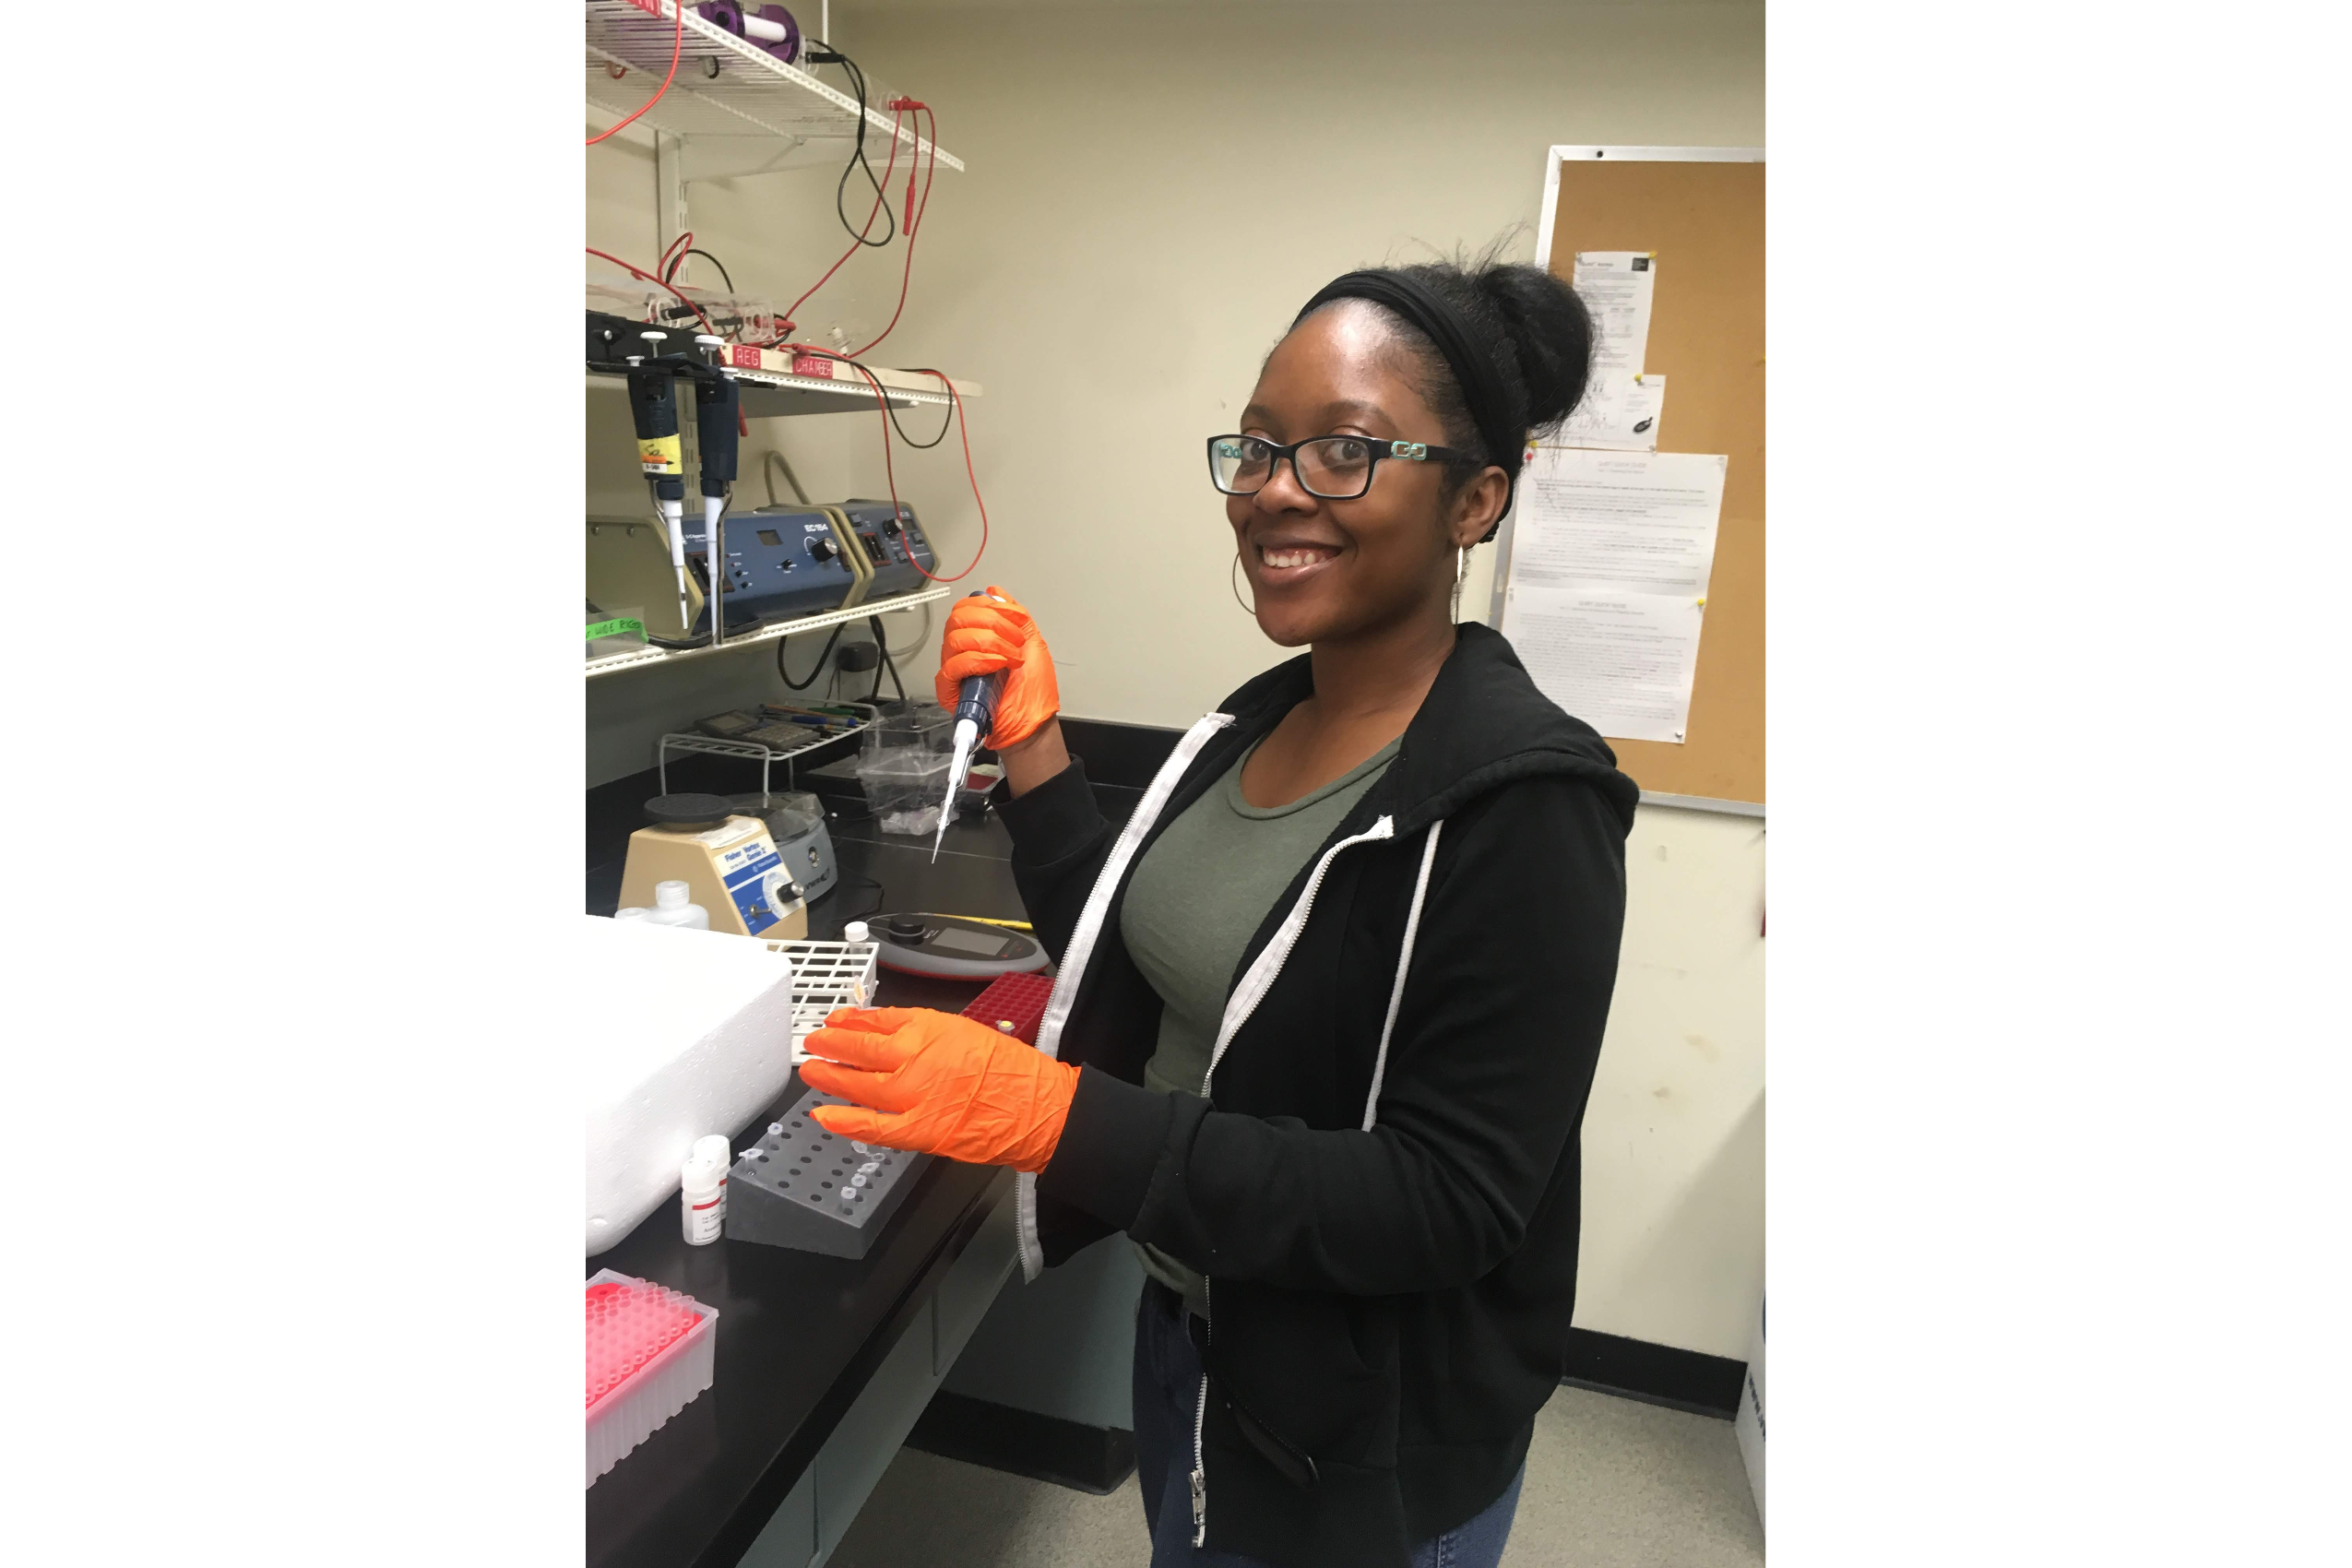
{"type": "Point", "coordinates": [662, 454]}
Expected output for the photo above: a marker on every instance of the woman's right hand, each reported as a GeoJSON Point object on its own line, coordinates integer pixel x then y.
{"type": "Point", "coordinates": [989, 631]}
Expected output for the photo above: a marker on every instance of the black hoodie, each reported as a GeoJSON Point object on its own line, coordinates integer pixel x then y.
{"type": "Point", "coordinates": [1380, 1180]}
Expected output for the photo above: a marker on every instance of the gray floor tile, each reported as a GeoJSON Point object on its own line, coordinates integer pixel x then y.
{"type": "Point", "coordinates": [933, 1512]}
{"type": "Point", "coordinates": [1610, 1484]}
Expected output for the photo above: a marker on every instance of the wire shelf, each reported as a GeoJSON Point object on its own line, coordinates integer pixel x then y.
{"type": "Point", "coordinates": [753, 751]}
{"type": "Point", "coordinates": [751, 93]}
{"type": "Point", "coordinates": [640, 658]}
{"type": "Point", "coordinates": [766, 393]}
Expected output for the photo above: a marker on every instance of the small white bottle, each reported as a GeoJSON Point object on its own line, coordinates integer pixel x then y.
{"type": "Point", "coordinates": [672, 906]}
{"type": "Point", "coordinates": [702, 1197]}
{"type": "Point", "coordinates": [714, 1148]}
{"type": "Point", "coordinates": [855, 930]}
{"type": "Point", "coordinates": [631, 912]}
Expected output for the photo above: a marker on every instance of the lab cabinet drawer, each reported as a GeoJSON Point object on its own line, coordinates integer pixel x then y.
{"type": "Point", "coordinates": [790, 1539]}
{"type": "Point", "coordinates": [971, 1286]}
{"type": "Point", "coordinates": [868, 1438]}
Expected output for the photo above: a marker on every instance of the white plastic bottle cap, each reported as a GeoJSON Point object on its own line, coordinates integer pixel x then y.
{"type": "Point", "coordinates": [714, 1148]}
{"type": "Point", "coordinates": [633, 912]}
{"type": "Point", "coordinates": [670, 894]}
{"type": "Point", "coordinates": [854, 932]}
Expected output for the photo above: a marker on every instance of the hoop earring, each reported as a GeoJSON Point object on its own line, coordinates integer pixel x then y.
{"type": "Point", "coordinates": [1230, 582]}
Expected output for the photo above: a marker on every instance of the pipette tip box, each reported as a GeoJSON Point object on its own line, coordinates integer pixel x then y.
{"type": "Point", "coordinates": [650, 1354]}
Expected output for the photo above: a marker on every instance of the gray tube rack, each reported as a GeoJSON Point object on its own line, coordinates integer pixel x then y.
{"type": "Point", "coordinates": [812, 1191]}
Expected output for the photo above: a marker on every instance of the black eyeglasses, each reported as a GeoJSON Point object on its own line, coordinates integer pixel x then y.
{"type": "Point", "coordinates": [1337, 468]}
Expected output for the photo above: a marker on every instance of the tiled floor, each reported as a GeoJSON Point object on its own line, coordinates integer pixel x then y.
{"type": "Point", "coordinates": [1610, 1484]}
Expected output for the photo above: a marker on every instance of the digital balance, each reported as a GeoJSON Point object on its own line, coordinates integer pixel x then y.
{"type": "Point", "coordinates": [727, 861]}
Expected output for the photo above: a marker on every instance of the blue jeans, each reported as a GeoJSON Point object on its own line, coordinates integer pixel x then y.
{"type": "Point", "coordinates": [1168, 1384]}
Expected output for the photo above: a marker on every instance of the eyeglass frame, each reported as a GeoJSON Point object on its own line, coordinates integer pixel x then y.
{"type": "Point", "coordinates": [1408, 451]}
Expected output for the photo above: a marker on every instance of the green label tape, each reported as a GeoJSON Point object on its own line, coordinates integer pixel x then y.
{"type": "Point", "coordinates": [623, 627]}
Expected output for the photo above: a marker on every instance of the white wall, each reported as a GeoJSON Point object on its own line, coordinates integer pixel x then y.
{"type": "Point", "coordinates": [1674, 1136]}
{"type": "Point", "coordinates": [1152, 192]}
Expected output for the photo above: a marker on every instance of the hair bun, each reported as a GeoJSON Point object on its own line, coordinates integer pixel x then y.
{"type": "Point", "coordinates": [1548, 331]}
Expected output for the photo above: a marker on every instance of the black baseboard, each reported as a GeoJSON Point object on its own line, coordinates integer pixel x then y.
{"type": "Point", "coordinates": [1044, 1448]}
{"type": "Point", "coordinates": [1096, 1459]}
{"type": "Point", "coordinates": [1656, 1374]}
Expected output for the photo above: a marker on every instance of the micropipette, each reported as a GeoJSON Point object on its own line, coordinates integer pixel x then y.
{"type": "Point", "coordinates": [717, 403]}
{"type": "Point", "coordinates": [975, 715]}
{"type": "Point", "coordinates": [654, 403]}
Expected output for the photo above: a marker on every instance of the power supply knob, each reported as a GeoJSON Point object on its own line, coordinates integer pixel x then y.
{"type": "Point", "coordinates": [824, 549]}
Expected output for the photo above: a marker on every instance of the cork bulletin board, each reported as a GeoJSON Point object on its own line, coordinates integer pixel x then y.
{"type": "Point", "coordinates": [1702, 211]}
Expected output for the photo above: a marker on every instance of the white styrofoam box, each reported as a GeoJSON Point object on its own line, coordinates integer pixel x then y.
{"type": "Point", "coordinates": [1748, 1426]}
{"type": "Point", "coordinates": [681, 1033]}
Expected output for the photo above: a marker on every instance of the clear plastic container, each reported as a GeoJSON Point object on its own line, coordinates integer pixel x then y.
{"type": "Point", "coordinates": [902, 765]}
{"type": "Point", "coordinates": [904, 789]}
{"type": "Point", "coordinates": [739, 318]}
{"type": "Point", "coordinates": [788, 813]}
{"type": "Point", "coordinates": [650, 1354]}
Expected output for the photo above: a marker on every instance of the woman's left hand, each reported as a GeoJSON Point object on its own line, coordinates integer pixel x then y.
{"type": "Point", "coordinates": [939, 1083]}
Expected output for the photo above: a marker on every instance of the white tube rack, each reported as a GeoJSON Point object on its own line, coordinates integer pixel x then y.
{"type": "Point", "coordinates": [826, 975]}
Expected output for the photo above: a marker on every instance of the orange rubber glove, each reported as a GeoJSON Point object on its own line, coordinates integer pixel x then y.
{"type": "Point", "coordinates": [988, 634]}
{"type": "Point", "coordinates": [939, 1083]}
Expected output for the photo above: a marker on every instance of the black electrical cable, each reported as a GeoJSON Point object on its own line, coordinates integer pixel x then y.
{"type": "Point", "coordinates": [882, 647]}
{"type": "Point", "coordinates": [680, 260]}
{"type": "Point", "coordinates": [823, 53]}
{"type": "Point", "coordinates": [879, 894]}
{"type": "Point", "coordinates": [823, 659]}
{"type": "Point", "coordinates": [946, 419]}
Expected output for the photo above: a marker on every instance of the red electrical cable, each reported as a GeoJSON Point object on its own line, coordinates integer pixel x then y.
{"type": "Point", "coordinates": [860, 243]}
{"type": "Point", "coordinates": [649, 278]}
{"type": "Point", "coordinates": [964, 436]}
{"type": "Point", "coordinates": [673, 254]}
{"type": "Point", "coordinates": [889, 474]}
{"type": "Point", "coordinates": [914, 217]}
{"type": "Point", "coordinates": [677, 48]}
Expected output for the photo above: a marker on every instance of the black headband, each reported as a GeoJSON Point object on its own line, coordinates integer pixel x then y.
{"type": "Point", "coordinates": [1474, 371]}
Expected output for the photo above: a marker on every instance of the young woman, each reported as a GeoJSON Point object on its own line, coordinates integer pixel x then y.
{"type": "Point", "coordinates": [1329, 1001]}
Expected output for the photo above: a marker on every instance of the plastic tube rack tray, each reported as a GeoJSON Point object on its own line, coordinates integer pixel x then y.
{"type": "Point", "coordinates": [814, 1191]}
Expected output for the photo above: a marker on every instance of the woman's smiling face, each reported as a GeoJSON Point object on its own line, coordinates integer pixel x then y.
{"type": "Point", "coordinates": [1320, 569]}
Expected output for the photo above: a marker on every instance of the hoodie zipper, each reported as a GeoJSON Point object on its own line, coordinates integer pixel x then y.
{"type": "Point", "coordinates": [1200, 1419]}
{"type": "Point", "coordinates": [1256, 983]}
{"type": "Point", "coordinates": [1079, 956]}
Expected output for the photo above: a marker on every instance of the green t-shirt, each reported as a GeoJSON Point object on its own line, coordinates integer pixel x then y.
{"type": "Point", "coordinates": [1199, 896]}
